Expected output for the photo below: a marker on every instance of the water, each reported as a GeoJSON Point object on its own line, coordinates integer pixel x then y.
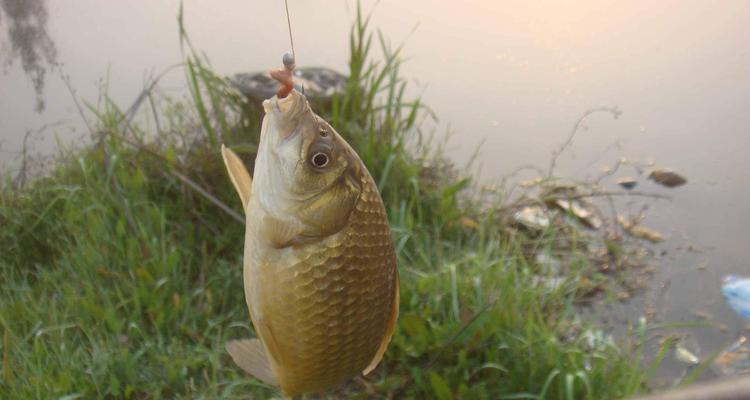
{"type": "Point", "coordinates": [514, 74]}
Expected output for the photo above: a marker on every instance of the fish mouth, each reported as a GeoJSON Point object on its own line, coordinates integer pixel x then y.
{"type": "Point", "coordinates": [286, 113]}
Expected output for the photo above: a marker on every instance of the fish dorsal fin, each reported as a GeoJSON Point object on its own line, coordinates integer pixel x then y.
{"type": "Point", "coordinates": [389, 329]}
{"type": "Point", "coordinates": [251, 356]}
{"type": "Point", "coordinates": [238, 174]}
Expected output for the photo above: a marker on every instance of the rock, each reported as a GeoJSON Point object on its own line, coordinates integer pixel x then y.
{"type": "Point", "coordinates": [533, 217]}
{"type": "Point", "coordinates": [627, 183]}
{"type": "Point", "coordinates": [319, 84]}
{"type": "Point", "coordinates": [667, 178]}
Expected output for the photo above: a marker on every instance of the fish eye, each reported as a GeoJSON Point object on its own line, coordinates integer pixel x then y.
{"type": "Point", "coordinates": [319, 160]}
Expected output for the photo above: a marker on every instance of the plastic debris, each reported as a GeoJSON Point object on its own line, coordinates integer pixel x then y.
{"type": "Point", "coordinates": [735, 360]}
{"type": "Point", "coordinates": [667, 178]}
{"type": "Point", "coordinates": [736, 291]}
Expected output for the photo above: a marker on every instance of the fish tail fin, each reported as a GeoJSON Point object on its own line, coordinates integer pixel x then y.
{"type": "Point", "coordinates": [251, 356]}
{"type": "Point", "coordinates": [239, 175]}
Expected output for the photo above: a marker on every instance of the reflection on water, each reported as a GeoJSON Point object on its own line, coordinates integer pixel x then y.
{"type": "Point", "coordinates": [26, 24]}
{"type": "Point", "coordinates": [517, 74]}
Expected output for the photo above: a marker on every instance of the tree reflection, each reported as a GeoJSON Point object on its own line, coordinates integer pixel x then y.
{"type": "Point", "coordinates": [26, 25]}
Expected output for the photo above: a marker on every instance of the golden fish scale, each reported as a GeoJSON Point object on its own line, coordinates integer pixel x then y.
{"type": "Point", "coordinates": [328, 303]}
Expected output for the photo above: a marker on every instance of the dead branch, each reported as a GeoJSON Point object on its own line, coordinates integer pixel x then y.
{"type": "Point", "coordinates": [614, 111]}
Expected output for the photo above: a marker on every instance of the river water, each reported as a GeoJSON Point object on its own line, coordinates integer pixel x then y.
{"type": "Point", "coordinates": [511, 76]}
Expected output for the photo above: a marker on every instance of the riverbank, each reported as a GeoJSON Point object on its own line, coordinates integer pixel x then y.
{"type": "Point", "coordinates": [122, 272]}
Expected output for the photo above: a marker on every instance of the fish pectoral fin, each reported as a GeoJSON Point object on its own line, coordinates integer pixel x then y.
{"type": "Point", "coordinates": [283, 233]}
{"type": "Point", "coordinates": [251, 356]}
{"type": "Point", "coordinates": [239, 175]}
{"type": "Point", "coordinates": [389, 329]}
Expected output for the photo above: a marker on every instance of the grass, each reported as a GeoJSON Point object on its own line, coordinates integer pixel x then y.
{"type": "Point", "coordinates": [121, 273]}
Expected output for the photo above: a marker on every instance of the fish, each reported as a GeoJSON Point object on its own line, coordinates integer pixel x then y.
{"type": "Point", "coordinates": [319, 265]}
{"type": "Point", "coordinates": [736, 291]}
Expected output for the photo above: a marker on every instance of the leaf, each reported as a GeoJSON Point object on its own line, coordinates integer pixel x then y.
{"type": "Point", "coordinates": [646, 233]}
{"type": "Point", "coordinates": [639, 232]}
{"type": "Point", "coordinates": [667, 178]}
{"type": "Point", "coordinates": [440, 387]}
{"type": "Point", "coordinates": [587, 217]}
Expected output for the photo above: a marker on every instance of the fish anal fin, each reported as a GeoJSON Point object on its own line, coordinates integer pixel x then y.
{"type": "Point", "coordinates": [251, 356]}
{"type": "Point", "coordinates": [390, 328]}
{"type": "Point", "coordinates": [239, 175]}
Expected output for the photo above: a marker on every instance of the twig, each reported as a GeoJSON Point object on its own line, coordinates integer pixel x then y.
{"type": "Point", "coordinates": [610, 171]}
{"type": "Point", "coordinates": [524, 201]}
{"type": "Point", "coordinates": [556, 153]}
{"type": "Point", "coordinates": [145, 93]}
{"type": "Point", "coordinates": [208, 196]}
{"type": "Point", "coordinates": [20, 179]}
{"type": "Point", "coordinates": [189, 182]}
{"type": "Point", "coordinates": [127, 118]}
{"type": "Point", "coordinates": [608, 194]}
{"type": "Point", "coordinates": [23, 171]}
{"type": "Point", "coordinates": [66, 78]}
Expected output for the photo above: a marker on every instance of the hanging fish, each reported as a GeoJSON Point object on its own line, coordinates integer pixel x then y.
{"type": "Point", "coordinates": [320, 271]}
{"type": "Point", "coordinates": [737, 294]}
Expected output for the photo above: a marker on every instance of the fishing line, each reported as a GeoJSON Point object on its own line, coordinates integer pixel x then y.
{"type": "Point", "coordinates": [289, 24]}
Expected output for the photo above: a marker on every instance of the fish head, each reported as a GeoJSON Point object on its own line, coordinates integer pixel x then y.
{"type": "Point", "coordinates": [305, 171]}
